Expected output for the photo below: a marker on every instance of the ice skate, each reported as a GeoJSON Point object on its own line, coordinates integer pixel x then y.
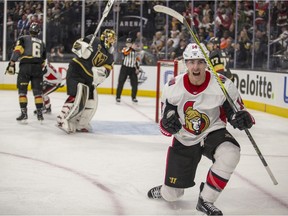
{"type": "Point", "coordinates": [118, 100]}
{"type": "Point", "coordinates": [155, 193]}
{"type": "Point", "coordinates": [207, 208]}
{"type": "Point", "coordinates": [134, 100]}
{"type": "Point", "coordinates": [44, 110]}
{"type": "Point", "coordinates": [47, 110]}
{"type": "Point", "coordinates": [39, 115]}
{"type": "Point", "coordinates": [23, 116]}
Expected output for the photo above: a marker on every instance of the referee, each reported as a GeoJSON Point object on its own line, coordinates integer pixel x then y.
{"type": "Point", "coordinates": [130, 67]}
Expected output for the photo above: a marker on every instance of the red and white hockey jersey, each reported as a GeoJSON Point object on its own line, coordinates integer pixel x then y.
{"type": "Point", "coordinates": [52, 76]}
{"type": "Point", "coordinates": [199, 107]}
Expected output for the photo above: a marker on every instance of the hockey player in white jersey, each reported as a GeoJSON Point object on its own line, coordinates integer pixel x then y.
{"type": "Point", "coordinates": [52, 80]}
{"type": "Point", "coordinates": [195, 112]}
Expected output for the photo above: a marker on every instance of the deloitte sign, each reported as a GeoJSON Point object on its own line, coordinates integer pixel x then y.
{"type": "Point", "coordinates": [257, 85]}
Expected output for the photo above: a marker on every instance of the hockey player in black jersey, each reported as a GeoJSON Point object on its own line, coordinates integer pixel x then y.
{"type": "Point", "coordinates": [32, 54]}
{"type": "Point", "coordinates": [90, 67]}
{"type": "Point", "coordinates": [219, 58]}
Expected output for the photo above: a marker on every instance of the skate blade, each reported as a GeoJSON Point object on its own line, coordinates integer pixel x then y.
{"type": "Point", "coordinates": [24, 122]}
{"type": "Point", "coordinates": [83, 131]}
{"type": "Point", "coordinates": [68, 132]}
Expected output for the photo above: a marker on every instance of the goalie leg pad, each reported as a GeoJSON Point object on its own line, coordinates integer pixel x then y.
{"type": "Point", "coordinates": [79, 102]}
{"type": "Point", "coordinates": [62, 123]}
{"type": "Point", "coordinates": [70, 112]}
{"type": "Point", "coordinates": [88, 113]}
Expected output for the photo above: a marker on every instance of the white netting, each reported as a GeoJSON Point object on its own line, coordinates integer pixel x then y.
{"type": "Point", "coordinates": [166, 70]}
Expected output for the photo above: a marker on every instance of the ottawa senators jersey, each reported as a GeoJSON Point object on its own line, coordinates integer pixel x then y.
{"type": "Point", "coordinates": [99, 57]}
{"type": "Point", "coordinates": [52, 76]}
{"type": "Point", "coordinates": [199, 107]}
{"type": "Point", "coordinates": [30, 50]}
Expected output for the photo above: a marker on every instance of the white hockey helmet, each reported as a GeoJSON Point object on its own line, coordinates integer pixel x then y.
{"type": "Point", "coordinates": [193, 51]}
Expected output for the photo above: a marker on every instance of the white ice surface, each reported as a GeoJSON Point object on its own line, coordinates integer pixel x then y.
{"type": "Point", "coordinates": [44, 171]}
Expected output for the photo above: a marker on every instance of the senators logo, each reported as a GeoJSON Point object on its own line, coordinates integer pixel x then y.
{"type": "Point", "coordinates": [195, 122]}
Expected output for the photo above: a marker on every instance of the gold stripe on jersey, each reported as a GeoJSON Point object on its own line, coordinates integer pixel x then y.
{"type": "Point", "coordinates": [19, 49]}
{"type": "Point", "coordinates": [219, 67]}
{"type": "Point", "coordinates": [82, 66]}
{"type": "Point", "coordinates": [26, 57]}
{"type": "Point", "coordinates": [108, 67]}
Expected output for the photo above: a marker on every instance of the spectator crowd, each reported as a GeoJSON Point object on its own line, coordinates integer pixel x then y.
{"type": "Point", "coordinates": [230, 21]}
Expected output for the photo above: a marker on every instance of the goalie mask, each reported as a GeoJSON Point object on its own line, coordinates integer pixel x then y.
{"type": "Point", "coordinates": [34, 29]}
{"type": "Point", "coordinates": [108, 37]}
{"type": "Point", "coordinates": [193, 51]}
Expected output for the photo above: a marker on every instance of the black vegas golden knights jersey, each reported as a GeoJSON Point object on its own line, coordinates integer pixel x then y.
{"type": "Point", "coordinates": [29, 50]}
{"type": "Point", "coordinates": [220, 62]}
{"type": "Point", "coordinates": [99, 57]}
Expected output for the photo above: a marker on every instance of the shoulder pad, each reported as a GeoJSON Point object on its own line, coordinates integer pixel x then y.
{"type": "Point", "coordinates": [172, 82]}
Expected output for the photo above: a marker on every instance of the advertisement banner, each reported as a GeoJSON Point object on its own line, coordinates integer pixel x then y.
{"type": "Point", "coordinates": [265, 87]}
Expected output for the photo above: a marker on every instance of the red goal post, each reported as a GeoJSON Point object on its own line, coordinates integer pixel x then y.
{"type": "Point", "coordinates": [166, 69]}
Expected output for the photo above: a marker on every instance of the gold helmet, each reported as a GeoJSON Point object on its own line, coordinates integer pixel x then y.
{"type": "Point", "coordinates": [108, 37]}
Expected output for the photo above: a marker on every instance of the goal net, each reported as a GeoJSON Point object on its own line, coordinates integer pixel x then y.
{"type": "Point", "coordinates": [166, 70]}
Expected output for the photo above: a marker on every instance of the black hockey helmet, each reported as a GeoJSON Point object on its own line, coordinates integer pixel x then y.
{"type": "Point", "coordinates": [215, 41]}
{"type": "Point", "coordinates": [129, 40]}
{"type": "Point", "coordinates": [34, 29]}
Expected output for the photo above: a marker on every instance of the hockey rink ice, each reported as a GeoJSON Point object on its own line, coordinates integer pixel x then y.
{"type": "Point", "coordinates": [44, 171]}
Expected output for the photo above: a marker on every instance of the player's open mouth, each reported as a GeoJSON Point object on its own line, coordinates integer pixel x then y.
{"type": "Point", "coordinates": [196, 73]}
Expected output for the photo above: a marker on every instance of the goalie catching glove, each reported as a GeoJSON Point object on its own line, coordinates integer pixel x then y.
{"type": "Point", "coordinates": [10, 69]}
{"type": "Point", "coordinates": [170, 120]}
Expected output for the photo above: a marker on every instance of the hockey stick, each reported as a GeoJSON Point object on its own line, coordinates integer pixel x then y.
{"type": "Point", "coordinates": [14, 43]}
{"type": "Point", "coordinates": [175, 14]}
{"type": "Point", "coordinates": [105, 14]}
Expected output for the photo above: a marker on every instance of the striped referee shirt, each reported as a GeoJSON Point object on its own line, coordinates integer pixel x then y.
{"type": "Point", "coordinates": [130, 58]}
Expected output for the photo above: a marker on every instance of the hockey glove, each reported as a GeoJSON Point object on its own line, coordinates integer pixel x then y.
{"type": "Point", "coordinates": [241, 120]}
{"type": "Point", "coordinates": [170, 121]}
{"type": "Point", "coordinates": [99, 75]}
{"type": "Point", "coordinates": [10, 69]}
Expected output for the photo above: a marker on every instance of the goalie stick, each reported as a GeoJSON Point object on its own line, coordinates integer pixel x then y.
{"type": "Point", "coordinates": [105, 14]}
{"type": "Point", "coordinates": [175, 14]}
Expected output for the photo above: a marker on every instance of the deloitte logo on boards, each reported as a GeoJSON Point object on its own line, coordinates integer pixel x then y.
{"type": "Point", "coordinates": [285, 96]}
{"type": "Point", "coordinates": [256, 86]}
